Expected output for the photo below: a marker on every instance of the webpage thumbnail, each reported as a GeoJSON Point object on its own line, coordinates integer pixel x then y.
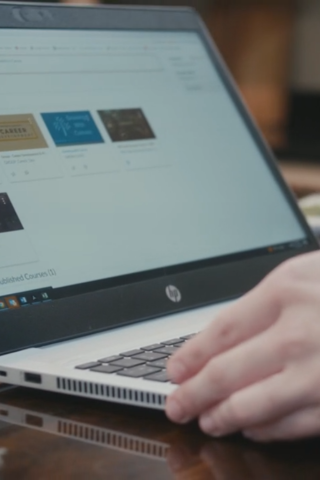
{"type": "Point", "coordinates": [126, 124]}
{"type": "Point", "coordinates": [15, 246]}
{"type": "Point", "coordinates": [72, 128]}
{"type": "Point", "coordinates": [20, 132]}
{"type": "Point", "coordinates": [9, 220]}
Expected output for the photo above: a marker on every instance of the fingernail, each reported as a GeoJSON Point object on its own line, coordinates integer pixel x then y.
{"type": "Point", "coordinates": [175, 412]}
{"type": "Point", "coordinates": [207, 424]}
{"type": "Point", "coordinates": [176, 370]}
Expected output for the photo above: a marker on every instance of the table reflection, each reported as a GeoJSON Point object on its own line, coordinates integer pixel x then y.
{"type": "Point", "coordinates": [42, 434]}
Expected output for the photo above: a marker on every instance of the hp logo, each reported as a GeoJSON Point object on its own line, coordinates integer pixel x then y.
{"type": "Point", "coordinates": [173, 294]}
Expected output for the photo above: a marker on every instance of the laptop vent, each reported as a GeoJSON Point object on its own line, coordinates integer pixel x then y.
{"type": "Point", "coordinates": [123, 395]}
{"type": "Point", "coordinates": [112, 439]}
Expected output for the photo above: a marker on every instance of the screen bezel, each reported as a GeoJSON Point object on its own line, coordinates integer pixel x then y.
{"type": "Point", "coordinates": [140, 296]}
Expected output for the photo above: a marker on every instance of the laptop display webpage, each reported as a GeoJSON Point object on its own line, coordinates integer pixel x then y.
{"type": "Point", "coordinates": [122, 152]}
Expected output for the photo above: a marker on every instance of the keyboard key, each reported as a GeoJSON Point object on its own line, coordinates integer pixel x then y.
{"type": "Point", "coordinates": [106, 369]}
{"type": "Point", "coordinates": [127, 363]}
{"type": "Point", "coordinates": [178, 345]}
{"type": "Point", "coordinates": [149, 356]}
{"type": "Point", "coordinates": [151, 347]}
{"type": "Point", "coordinates": [167, 350]}
{"type": "Point", "coordinates": [188, 337]}
{"type": "Point", "coordinates": [159, 363]}
{"type": "Point", "coordinates": [87, 366]}
{"type": "Point", "coordinates": [131, 353]}
{"type": "Point", "coordinates": [139, 371]}
{"type": "Point", "coordinates": [161, 376]}
{"type": "Point", "coordinates": [174, 341]}
{"type": "Point", "coordinates": [110, 359]}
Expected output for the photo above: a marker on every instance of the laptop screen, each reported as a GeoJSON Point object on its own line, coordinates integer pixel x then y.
{"type": "Point", "coordinates": [122, 152]}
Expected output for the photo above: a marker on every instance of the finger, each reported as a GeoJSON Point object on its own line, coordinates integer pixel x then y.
{"type": "Point", "coordinates": [241, 366]}
{"type": "Point", "coordinates": [261, 403]}
{"type": "Point", "coordinates": [298, 425]}
{"type": "Point", "coordinates": [246, 318]}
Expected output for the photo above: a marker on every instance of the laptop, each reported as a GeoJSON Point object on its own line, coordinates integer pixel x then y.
{"type": "Point", "coordinates": [137, 197]}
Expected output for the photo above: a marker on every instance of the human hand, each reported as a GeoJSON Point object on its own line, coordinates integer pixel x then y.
{"type": "Point", "coordinates": [256, 368]}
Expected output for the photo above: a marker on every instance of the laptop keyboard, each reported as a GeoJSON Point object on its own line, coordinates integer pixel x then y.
{"type": "Point", "coordinates": [147, 362]}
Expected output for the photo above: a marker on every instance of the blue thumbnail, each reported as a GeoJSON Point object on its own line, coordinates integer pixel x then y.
{"type": "Point", "coordinates": [72, 128]}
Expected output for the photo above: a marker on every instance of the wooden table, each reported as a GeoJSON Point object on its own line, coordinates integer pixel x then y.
{"type": "Point", "coordinates": [45, 436]}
